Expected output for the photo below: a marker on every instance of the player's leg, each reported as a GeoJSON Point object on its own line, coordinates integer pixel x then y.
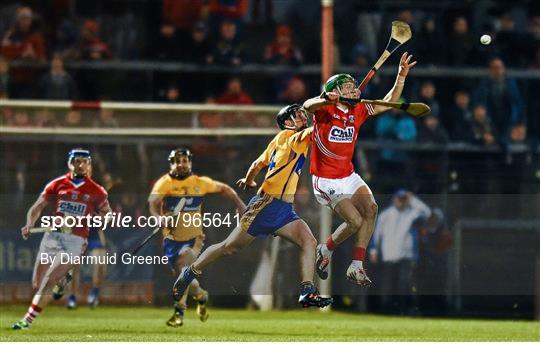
{"type": "Point", "coordinates": [299, 233]}
{"type": "Point", "coordinates": [365, 203]}
{"type": "Point", "coordinates": [98, 274]}
{"type": "Point", "coordinates": [346, 209]}
{"type": "Point", "coordinates": [237, 240]}
{"type": "Point", "coordinates": [75, 276]}
{"type": "Point", "coordinates": [52, 244]}
{"type": "Point", "coordinates": [43, 295]}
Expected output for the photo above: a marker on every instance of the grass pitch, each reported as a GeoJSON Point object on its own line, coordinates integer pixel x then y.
{"type": "Point", "coordinates": [148, 324]}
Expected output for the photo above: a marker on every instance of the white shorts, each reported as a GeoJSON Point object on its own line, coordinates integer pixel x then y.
{"type": "Point", "coordinates": [330, 192]}
{"type": "Point", "coordinates": [55, 243]}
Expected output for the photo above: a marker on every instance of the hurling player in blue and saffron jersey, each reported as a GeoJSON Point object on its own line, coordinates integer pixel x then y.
{"type": "Point", "coordinates": [183, 243]}
{"type": "Point", "coordinates": [270, 212]}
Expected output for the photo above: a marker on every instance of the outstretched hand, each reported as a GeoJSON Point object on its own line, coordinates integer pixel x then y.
{"type": "Point", "coordinates": [405, 64]}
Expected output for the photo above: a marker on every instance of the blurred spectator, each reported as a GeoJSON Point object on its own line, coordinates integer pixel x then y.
{"type": "Point", "coordinates": [429, 48]}
{"type": "Point", "coordinates": [282, 50]}
{"type": "Point", "coordinates": [234, 94]}
{"type": "Point", "coordinates": [198, 46]}
{"type": "Point", "coordinates": [397, 127]}
{"type": "Point", "coordinates": [57, 83]}
{"type": "Point", "coordinates": [518, 162]}
{"type": "Point", "coordinates": [66, 39]}
{"type": "Point", "coordinates": [501, 96]}
{"type": "Point", "coordinates": [91, 46]}
{"type": "Point", "coordinates": [395, 245]}
{"type": "Point", "coordinates": [44, 118]}
{"type": "Point", "coordinates": [535, 64]}
{"type": "Point", "coordinates": [183, 14]}
{"type": "Point", "coordinates": [167, 45]}
{"type": "Point", "coordinates": [228, 50]}
{"type": "Point", "coordinates": [477, 130]}
{"type": "Point", "coordinates": [4, 77]}
{"type": "Point", "coordinates": [171, 94]}
{"type": "Point", "coordinates": [73, 119]}
{"type": "Point", "coordinates": [459, 112]}
{"type": "Point", "coordinates": [429, 166]}
{"type": "Point", "coordinates": [360, 56]}
{"type": "Point", "coordinates": [21, 119]}
{"type": "Point", "coordinates": [23, 40]}
{"type": "Point", "coordinates": [227, 10]}
{"type": "Point", "coordinates": [295, 92]}
{"type": "Point", "coordinates": [427, 95]}
{"type": "Point", "coordinates": [106, 119]}
{"type": "Point", "coordinates": [430, 130]}
{"type": "Point", "coordinates": [510, 43]}
{"type": "Point", "coordinates": [435, 243]}
{"type": "Point", "coordinates": [461, 43]}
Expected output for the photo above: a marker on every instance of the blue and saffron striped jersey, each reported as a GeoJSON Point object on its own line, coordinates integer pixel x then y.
{"type": "Point", "coordinates": [193, 188]}
{"type": "Point", "coordinates": [284, 156]}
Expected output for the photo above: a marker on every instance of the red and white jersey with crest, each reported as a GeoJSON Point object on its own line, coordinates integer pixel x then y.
{"type": "Point", "coordinates": [334, 135]}
{"type": "Point", "coordinates": [75, 198]}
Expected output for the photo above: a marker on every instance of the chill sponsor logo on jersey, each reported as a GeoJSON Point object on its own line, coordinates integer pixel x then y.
{"type": "Point", "coordinates": [72, 208]}
{"type": "Point", "coordinates": [341, 135]}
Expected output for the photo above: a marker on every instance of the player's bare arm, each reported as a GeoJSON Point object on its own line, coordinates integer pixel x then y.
{"type": "Point", "coordinates": [33, 214]}
{"type": "Point", "coordinates": [393, 95]}
{"type": "Point", "coordinates": [249, 180]}
{"type": "Point", "coordinates": [228, 192]}
{"type": "Point", "coordinates": [327, 98]}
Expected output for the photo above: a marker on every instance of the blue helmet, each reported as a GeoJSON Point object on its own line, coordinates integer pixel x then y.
{"type": "Point", "coordinates": [78, 153]}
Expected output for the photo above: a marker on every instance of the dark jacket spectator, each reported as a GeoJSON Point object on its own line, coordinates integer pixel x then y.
{"type": "Point", "coordinates": [459, 111]}
{"type": "Point", "coordinates": [427, 95]}
{"type": "Point", "coordinates": [91, 46]}
{"type": "Point", "coordinates": [167, 45]}
{"type": "Point", "coordinates": [461, 43]}
{"type": "Point", "coordinates": [57, 83]}
{"type": "Point", "coordinates": [430, 50]}
{"type": "Point", "coordinates": [198, 47]}
{"type": "Point", "coordinates": [477, 130]}
{"type": "Point", "coordinates": [66, 40]}
{"type": "Point", "coordinates": [501, 96]}
{"type": "Point", "coordinates": [510, 43]}
{"type": "Point", "coordinates": [283, 50]}
{"type": "Point", "coordinates": [228, 50]}
{"type": "Point", "coordinates": [430, 130]}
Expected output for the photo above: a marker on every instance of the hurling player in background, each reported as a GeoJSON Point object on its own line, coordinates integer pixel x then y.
{"type": "Point", "coordinates": [271, 212]}
{"type": "Point", "coordinates": [73, 194]}
{"type": "Point", "coordinates": [336, 123]}
{"type": "Point", "coordinates": [183, 244]}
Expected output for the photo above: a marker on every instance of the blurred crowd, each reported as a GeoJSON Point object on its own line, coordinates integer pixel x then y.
{"type": "Point", "coordinates": [491, 112]}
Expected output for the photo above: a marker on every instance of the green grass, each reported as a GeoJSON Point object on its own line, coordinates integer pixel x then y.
{"type": "Point", "coordinates": [148, 324]}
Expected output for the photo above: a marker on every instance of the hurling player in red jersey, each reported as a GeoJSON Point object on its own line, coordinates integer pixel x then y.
{"type": "Point", "coordinates": [74, 194]}
{"type": "Point", "coordinates": [336, 123]}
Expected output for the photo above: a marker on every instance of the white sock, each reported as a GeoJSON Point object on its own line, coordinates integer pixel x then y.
{"type": "Point", "coordinates": [325, 251]}
{"type": "Point", "coordinates": [357, 264]}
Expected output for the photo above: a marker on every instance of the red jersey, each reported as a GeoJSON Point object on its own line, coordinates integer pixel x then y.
{"type": "Point", "coordinates": [334, 136]}
{"type": "Point", "coordinates": [75, 199]}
